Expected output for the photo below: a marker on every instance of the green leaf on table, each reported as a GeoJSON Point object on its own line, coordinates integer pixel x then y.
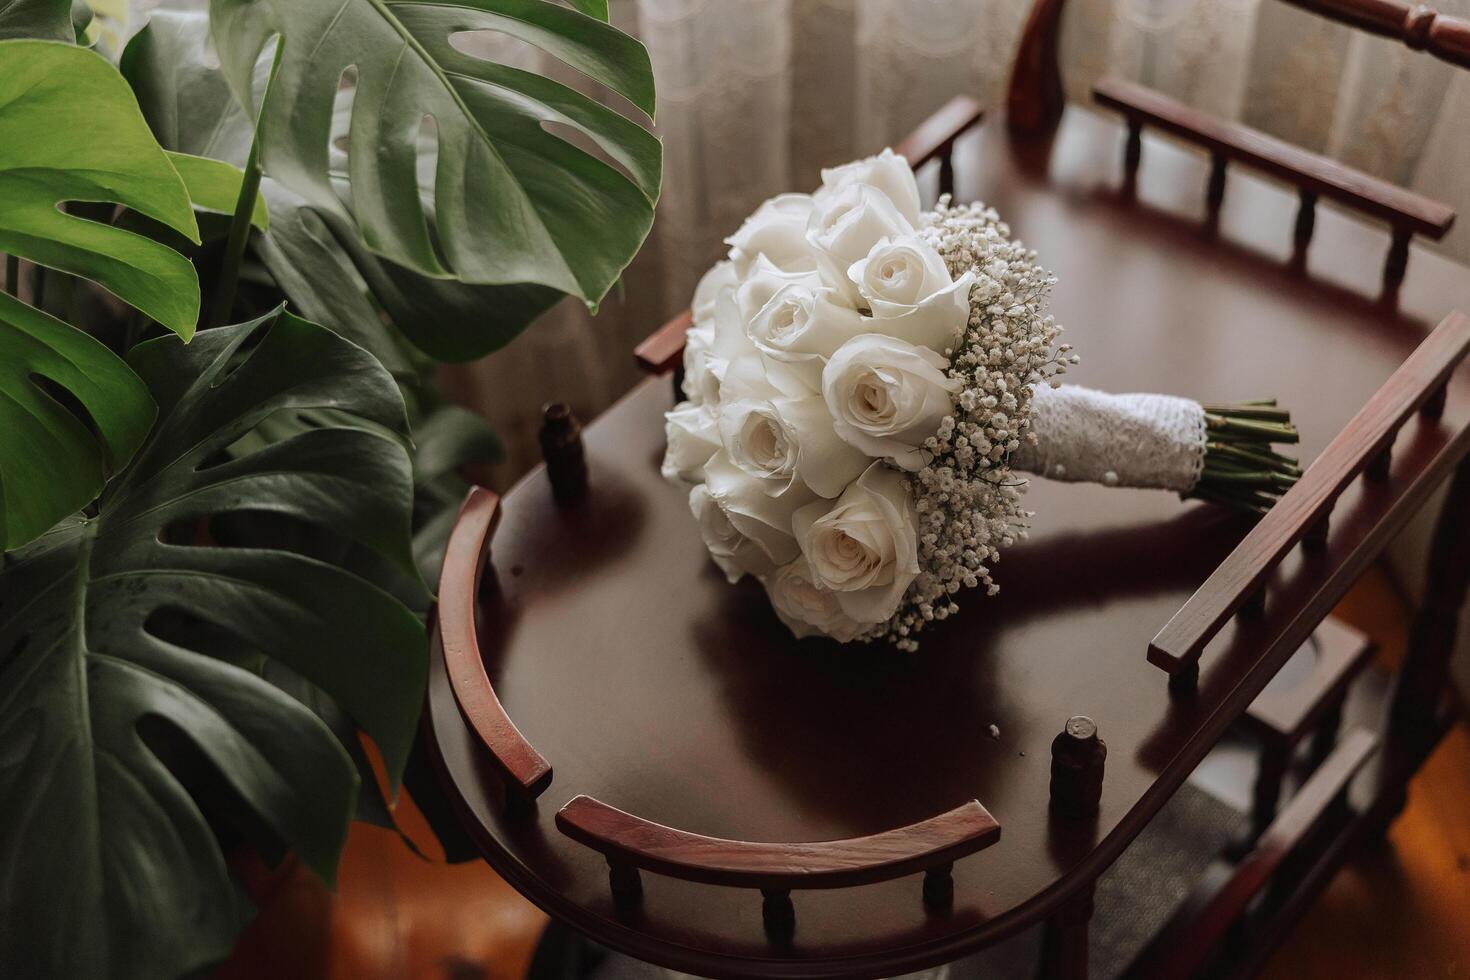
{"type": "Point", "coordinates": [48, 20]}
{"type": "Point", "coordinates": [56, 453]}
{"type": "Point", "coordinates": [70, 130]}
{"type": "Point", "coordinates": [135, 726]}
{"type": "Point", "coordinates": [214, 185]}
{"type": "Point", "coordinates": [512, 201]}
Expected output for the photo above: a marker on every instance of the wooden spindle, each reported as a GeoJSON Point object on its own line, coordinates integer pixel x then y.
{"type": "Point", "coordinates": [1064, 940]}
{"type": "Point", "coordinates": [778, 913]}
{"type": "Point", "coordinates": [946, 171]}
{"type": "Point", "coordinates": [1306, 223]}
{"type": "Point", "coordinates": [1433, 406]}
{"type": "Point", "coordinates": [1185, 681]}
{"type": "Point", "coordinates": [1316, 534]}
{"type": "Point", "coordinates": [1378, 466]}
{"type": "Point", "coordinates": [1215, 191]}
{"type": "Point", "coordinates": [1324, 735]}
{"type": "Point", "coordinates": [625, 882]}
{"type": "Point", "coordinates": [939, 886]}
{"type": "Point", "coordinates": [1133, 151]}
{"type": "Point", "coordinates": [1254, 606]}
{"type": "Point", "coordinates": [1397, 262]}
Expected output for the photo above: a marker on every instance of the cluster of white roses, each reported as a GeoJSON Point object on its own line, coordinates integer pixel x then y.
{"type": "Point", "coordinates": [857, 375]}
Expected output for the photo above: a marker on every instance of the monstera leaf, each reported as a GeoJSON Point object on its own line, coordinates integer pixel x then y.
{"type": "Point", "coordinates": [70, 411]}
{"type": "Point", "coordinates": [70, 130]}
{"type": "Point", "coordinates": [135, 723]}
{"type": "Point", "coordinates": [46, 19]}
{"type": "Point", "coordinates": [313, 253]}
{"type": "Point", "coordinates": [512, 201]}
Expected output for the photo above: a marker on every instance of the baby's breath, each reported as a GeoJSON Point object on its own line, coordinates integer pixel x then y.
{"type": "Point", "coordinates": [967, 499]}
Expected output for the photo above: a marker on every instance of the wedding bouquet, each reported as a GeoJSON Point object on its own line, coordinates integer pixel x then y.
{"type": "Point", "coordinates": [864, 379]}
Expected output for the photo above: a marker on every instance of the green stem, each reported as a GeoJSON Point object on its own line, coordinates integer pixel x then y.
{"type": "Point", "coordinates": [12, 274]}
{"type": "Point", "coordinates": [229, 276]}
{"type": "Point", "coordinates": [1241, 468]}
{"type": "Point", "coordinates": [239, 236]}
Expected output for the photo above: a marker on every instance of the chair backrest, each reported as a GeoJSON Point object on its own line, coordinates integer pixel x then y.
{"type": "Point", "coordinates": [1035, 98]}
{"type": "Point", "coordinates": [1035, 107]}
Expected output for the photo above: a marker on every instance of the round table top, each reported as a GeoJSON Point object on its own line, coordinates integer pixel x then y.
{"type": "Point", "coordinates": [651, 684]}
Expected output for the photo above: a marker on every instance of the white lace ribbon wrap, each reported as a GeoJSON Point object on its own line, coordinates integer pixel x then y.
{"type": "Point", "coordinates": [1087, 436]}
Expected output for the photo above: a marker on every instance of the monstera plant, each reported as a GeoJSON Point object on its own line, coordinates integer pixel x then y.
{"type": "Point", "coordinates": [232, 262]}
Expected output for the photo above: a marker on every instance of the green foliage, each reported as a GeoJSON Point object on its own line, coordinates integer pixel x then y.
{"type": "Point", "coordinates": [70, 130]}
{"type": "Point", "coordinates": [511, 201]}
{"type": "Point", "coordinates": [132, 643]}
{"type": "Point", "coordinates": [44, 19]}
{"type": "Point", "coordinates": [51, 463]}
{"type": "Point", "coordinates": [214, 185]}
{"type": "Point", "coordinates": [187, 658]}
{"type": "Point", "coordinates": [73, 413]}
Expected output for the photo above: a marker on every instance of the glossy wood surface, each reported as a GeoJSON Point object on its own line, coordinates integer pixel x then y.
{"type": "Point", "coordinates": [783, 865]}
{"type": "Point", "coordinates": [653, 685]}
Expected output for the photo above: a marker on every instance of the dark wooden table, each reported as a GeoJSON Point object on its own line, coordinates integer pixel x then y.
{"type": "Point", "coordinates": [648, 682]}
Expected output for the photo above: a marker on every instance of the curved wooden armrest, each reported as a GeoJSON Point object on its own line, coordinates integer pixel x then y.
{"type": "Point", "coordinates": [630, 840]}
{"type": "Point", "coordinates": [663, 350]}
{"type": "Point", "coordinates": [455, 639]}
{"type": "Point", "coordinates": [1364, 446]}
{"type": "Point", "coordinates": [935, 136]}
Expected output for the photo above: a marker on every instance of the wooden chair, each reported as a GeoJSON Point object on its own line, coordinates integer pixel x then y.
{"type": "Point", "coordinates": [700, 754]}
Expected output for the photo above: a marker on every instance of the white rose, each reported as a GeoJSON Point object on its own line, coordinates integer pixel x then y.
{"type": "Point", "coordinates": [850, 221]}
{"type": "Point", "coordinates": [777, 230]}
{"type": "Point", "coordinates": [887, 396]}
{"type": "Point", "coordinates": [763, 281]}
{"type": "Point", "coordinates": [907, 285]}
{"type": "Point", "coordinates": [763, 519]}
{"type": "Point", "coordinates": [865, 547]}
{"type": "Point", "coordinates": [733, 552]}
{"type": "Point", "coordinates": [693, 436]}
{"type": "Point", "coordinates": [720, 277]}
{"type": "Point", "coordinates": [710, 346]}
{"type": "Point", "coordinates": [801, 327]}
{"type": "Point", "coordinates": [806, 608]}
{"type": "Point", "coordinates": [782, 441]}
{"type": "Point", "coordinates": [888, 172]}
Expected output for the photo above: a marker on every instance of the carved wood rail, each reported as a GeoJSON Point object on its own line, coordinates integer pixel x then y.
{"type": "Point", "coordinates": [1364, 446]}
{"type": "Point", "coordinates": [1035, 99]}
{"type": "Point", "coordinates": [1406, 212]}
{"type": "Point", "coordinates": [455, 639]}
{"type": "Point", "coordinates": [1419, 26]}
{"type": "Point", "coordinates": [934, 139]}
{"type": "Point", "coordinates": [631, 843]}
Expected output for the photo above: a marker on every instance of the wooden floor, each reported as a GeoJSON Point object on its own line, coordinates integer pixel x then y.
{"type": "Point", "coordinates": [1400, 913]}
